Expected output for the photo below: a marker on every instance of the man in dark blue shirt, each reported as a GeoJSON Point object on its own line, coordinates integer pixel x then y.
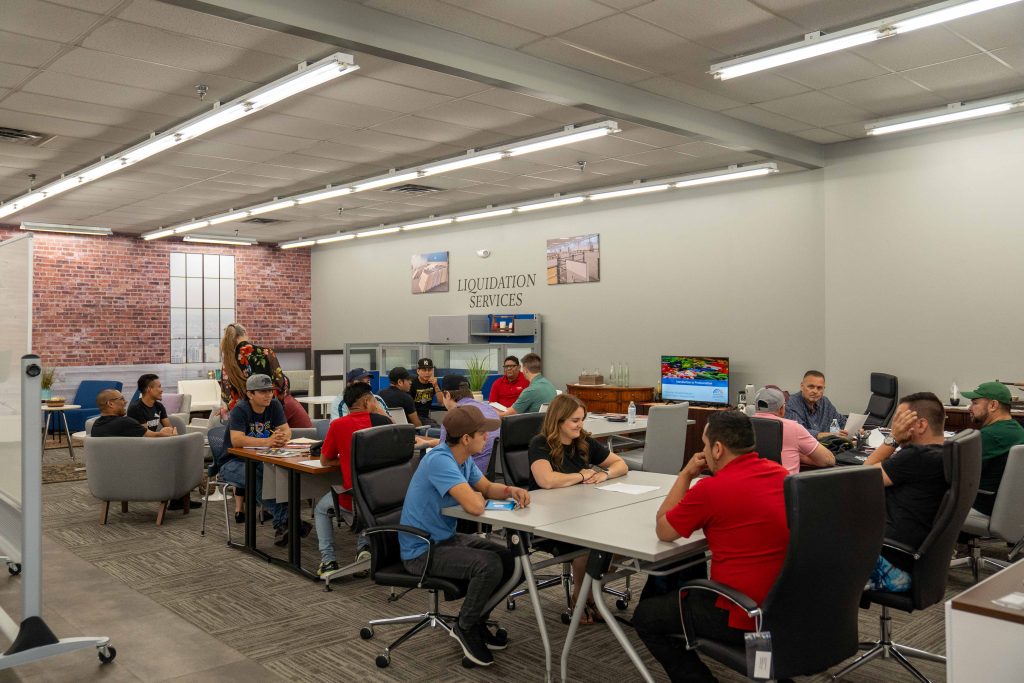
{"type": "Point", "coordinates": [812, 409]}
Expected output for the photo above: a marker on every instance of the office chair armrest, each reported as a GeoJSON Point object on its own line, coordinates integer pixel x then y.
{"type": "Point", "coordinates": [987, 493]}
{"type": "Point", "coordinates": [902, 547]}
{"type": "Point", "coordinates": [741, 600]}
{"type": "Point", "coordinates": [405, 529]}
{"type": "Point", "coordinates": [338, 489]}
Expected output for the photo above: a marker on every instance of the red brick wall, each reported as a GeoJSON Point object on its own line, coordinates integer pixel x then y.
{"type": "Point", "coordinates": [106, 300]}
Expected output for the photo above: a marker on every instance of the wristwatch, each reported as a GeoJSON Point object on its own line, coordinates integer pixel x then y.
{"type": "Point", "coordinates": [891, 442]}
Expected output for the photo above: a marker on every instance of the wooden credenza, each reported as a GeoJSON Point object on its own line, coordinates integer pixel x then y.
{"type": "Point", "coordinates": [958, 418]}
{"type": "Point", "coordinates": [604, 398]}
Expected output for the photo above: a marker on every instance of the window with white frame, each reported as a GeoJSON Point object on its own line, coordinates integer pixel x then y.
{"type": "Point", "coordinates": [202, 304]}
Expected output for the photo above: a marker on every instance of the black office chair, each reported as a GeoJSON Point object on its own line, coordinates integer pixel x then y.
{"type": "Point", "coordinates": [768, 438]}
{"type": "Point", "coordinates": [882, 404]}
{"type": "Point", "coordinates": [836, 524]}
{"type": "Point", "coordinates": [382, 467]}
{"type": "Point", "coordinates": [962, 465]}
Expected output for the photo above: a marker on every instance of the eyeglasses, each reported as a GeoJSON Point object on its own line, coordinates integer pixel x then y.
{"type": "Point", "coordinates": [507, 367]}
{"type": "Point", "coordinates": [115, 400]}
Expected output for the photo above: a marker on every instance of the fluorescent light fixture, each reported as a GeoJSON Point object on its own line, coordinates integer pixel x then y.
{"type": "Point", "coordinates": [336, 238]}
{"type": "Point", "coordinates": [739, 174]}
{"type": "Point", "coordinates": [72, 229]}
{"type": "Point", "coordinates": [378, 231]}
{"type": "Point", "coordinates": [954, 112]}
{"type": "Point", "coordinates": [817, 43]}
{"type": "Point", "coordinates": [267, 208]}
{"type": "Point", "coordinates": [386, 180]}
{"type": "Point", "coordinates": [562, 139]}
{"type": "Point", "coordinates": [463, 163]}
{"type": "Point", "coordinates": [194, 225]}
{"type": "Point", "coordinates": [428, 224]}
{"type": "Point", "coordinates": [323, 194]}
{"type": "Point", "coordinates": [639, 189]}
{"type": "Point", "coordinates": [298, 243]}
{"type": "Point", "coordinates": [158, 234]}
{"type": "Point", "coordinates": [228, 217]}
{"type": "Point", "coordinates": [319, 72]}
{"type": "Point", "coordinates": [236, 241]}
{"type": "Point", "coordinates": [485, 214]}
{"type": "Point", "coordinates": [551, 204]}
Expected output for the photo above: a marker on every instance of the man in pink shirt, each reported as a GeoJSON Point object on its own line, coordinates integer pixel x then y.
{"type": "Point", "coordinates": [798, 446]}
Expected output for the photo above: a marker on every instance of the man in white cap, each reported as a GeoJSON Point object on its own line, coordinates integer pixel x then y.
{"type": "Point", "coordinates": [798, 446]}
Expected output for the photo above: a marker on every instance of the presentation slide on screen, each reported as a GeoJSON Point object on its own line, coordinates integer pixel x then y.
{"type": "Point", "coordinates": [695, 378]}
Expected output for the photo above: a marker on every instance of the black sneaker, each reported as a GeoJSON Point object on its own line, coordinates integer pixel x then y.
{"type": "Point", "coordinates": [304, 528]}
{"type": "Point", "coordinates": [473, 646]}
{"type": "Point", "coordinates": [239, 518]}
{"type": "Point", "coordinates": [280, 537]}
{"type": "Point", "coordinates": [493, 641]}
{"type": "Point", "coordinates": [326, 567]}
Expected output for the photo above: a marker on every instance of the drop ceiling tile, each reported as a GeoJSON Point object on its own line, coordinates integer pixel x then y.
{"type": "Point", "coordinates": [397, 145]}
{"type": "Point", "coordinates": [83, 111]}
{"type": "Point", "coordinates": [293, 126]}
{"type": "Point", "coordinates": [615, 167]}
{"type": "Point", "coordinates": [70, 146]}
{"type": "Point", "coordinates": [746, 89]}
{"type": "Point", "coordinates": [43, 20]}
{"type": "Point", "coordinates": [650, 136]}
{"type": "Point", "coordinates": [313, 164]}
{"type": "Point", "coordinates": [284, 174]}
{"type": "Point", "coordinates": [968, 78]}
{"type": "Point", "coordinates": [258, 139]}
{"type": "Point", "coordinates": [220, 30]}
{"type": "Point", "coordinates": [350, 154]}
{"type": "Point", "coordinates": [599, 64]}
{"type": "Point", "coordinates": [11, 74]}
{"type": "Point", "coordinates": [850, 130]}
{"type": "Point", "coordinates": [439, 131]}
{"type": "Point", "coordinates": [524, 165]}
{"type": "Point", "coordinates": [732, 26]}
{"type": "Point", "coordinates": [380, 94]}
{"type": "Point", "coordinates": [335, 112]}
{"type": "Point", "coordinates": [96, 6]}
{"type": "Point", "coordinates": [817, 109]}
{"type": "Point", "coordinates": [480, 116]}
{"type": "Point", "coordinates": [821, 136]}
{"type": "Point", "coordinates": [886, 95]}
{"type": "Point", "coordinates": [61, 85]}
{"type": "Point", "coordinates": [189, 157]}
{"type": "Point", "coordinates": [420, 78]}
{"type": "Point", "coordinates": [1013, 56]}
{"type": "Point", "coordinates": [458, 20]}
{"type": "Point", "coordinates": [567, 175]}
{"type": "Point", "coordinates": [61, 126]}
{"type": "Point", "coordinates": [684, 92]}
{"type": "Point", "coordinates": [993, 29]}
{"type": "Point", "coordinates": [656, 157]}
{"type": "Point", "coordinates": [26, 50]}
{"type": "Point", "coordinates": [756, 115]}
{"type": "Point", "coordinates": [540, 16]}
{"type": "Point", "coordinates": [624, 4]}
{"type": "Point", "coordinates": [832, 14]}
{"type": "Point", "coordinates": [830, 70]}
{"type": "Point", "coordinates": [210, 147]}
{"type": "Point", "coordinates": [927, 46]}
{"type": "Point", "coordinates": [532, 106]}
{"type": "Point", "coordinates": [154, 45]}
{"type": "Point", "coordinates": [701, 149]}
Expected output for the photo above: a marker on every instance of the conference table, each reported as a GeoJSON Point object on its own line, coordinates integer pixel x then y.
{"type": "Point", "coordinates": [607, 522]}
{"type": "Point", "coordinates": [313, 401]}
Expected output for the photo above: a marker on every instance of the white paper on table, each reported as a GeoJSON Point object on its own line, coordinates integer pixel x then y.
{"type": "Point", "coordinates": [302, 441]}
{"type": "Point", "coordinates": [497, 406]}
{"type": "Point", "coordinates": [313, 463]}
{"type": "Point", "coordinates": [631, 489]}
{"type": "Point", "coordinates": [854, 422]}
{"type": "Point", "coordinates": [875, 438]}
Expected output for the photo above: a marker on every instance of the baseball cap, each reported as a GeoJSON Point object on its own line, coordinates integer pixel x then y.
{"type": "Point", "coordinates": [454, 382]}
{"type": "Point", "coordinates": [996, 391]}
{"type": "Point", "coordinates": [356, 373]}
{"type": "Point", "coordinates": [398, 374]}
{"type": "Point", "coordinates": [258, 383]}
{"type": "Point", "coordinates": [424, 364]}
{"type": "Point", "coordinates": [467, 420]}
{"type": "Point", "coordinates": [769, 400]}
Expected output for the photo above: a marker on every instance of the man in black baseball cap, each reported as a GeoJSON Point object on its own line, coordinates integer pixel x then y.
{"type": "Point", "coordinates": [397, 394]}
{"type": "Point", "coordinates": [424, 387]}
{"type": "Point", "coordinates": [990, 412]}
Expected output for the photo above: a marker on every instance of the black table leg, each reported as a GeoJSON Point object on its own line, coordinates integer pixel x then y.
{"type": "Point", "coordinates": [250, 504]}
{"type": "Point", "coordinates": [294, 520]}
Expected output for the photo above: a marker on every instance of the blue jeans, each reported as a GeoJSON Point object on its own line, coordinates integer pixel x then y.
{"type": "Point", "coordinates": [325, 530]}
{"type": "Point", "coordinates": [888, 577]}
{"type": "Point", "coordinates": [234, 471]}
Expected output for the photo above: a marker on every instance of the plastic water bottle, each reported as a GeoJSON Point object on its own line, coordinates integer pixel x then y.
{"type": "Point", "coordinates": [834, 428]}
{"type": "Point", "coordinates": [631, 413]}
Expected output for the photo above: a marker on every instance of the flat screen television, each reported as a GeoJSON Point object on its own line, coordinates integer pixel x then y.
{"type": "Point", "coordinates": [698, 379]}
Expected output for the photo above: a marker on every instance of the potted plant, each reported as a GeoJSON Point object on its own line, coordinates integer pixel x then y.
{"type": "Point", "coordinates": [46, 380]}
{"type": "Point", "coordinates": [477, 370]}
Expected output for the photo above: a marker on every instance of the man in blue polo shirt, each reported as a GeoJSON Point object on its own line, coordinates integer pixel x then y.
{"type": "Point", "coordinates": [447, 476]}
{"type": "Point", "coordinates": [811, 407]}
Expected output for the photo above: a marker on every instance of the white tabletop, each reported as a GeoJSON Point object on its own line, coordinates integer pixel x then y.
{"type": "Point", "coordinates": [316, 400]}
{"type": "Point", "coordinates": [66, 406]}
{"type": "Point", "coordinates": [599, 426]}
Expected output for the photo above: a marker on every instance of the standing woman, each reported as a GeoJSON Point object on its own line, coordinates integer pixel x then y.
{"type": "Point", "coordinates": [241, 358]}
{"type": "Point", "coordinates": [564, 454]}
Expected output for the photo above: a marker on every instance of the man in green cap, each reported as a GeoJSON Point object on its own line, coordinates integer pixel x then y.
{"type": "Point", "coordinates": [990, 412]}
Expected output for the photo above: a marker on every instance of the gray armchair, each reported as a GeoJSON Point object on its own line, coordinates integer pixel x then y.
{"type": "Point", "coordinates": [1005, 523]}
{"type": "Point", "coordinates": [140, 469]}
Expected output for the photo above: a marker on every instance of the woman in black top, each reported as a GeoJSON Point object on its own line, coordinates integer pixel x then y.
{"type": "Point", "coordinates": [564, 454]}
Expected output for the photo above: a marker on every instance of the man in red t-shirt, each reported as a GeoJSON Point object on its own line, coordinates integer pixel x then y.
{"type": "Point", "coordinates": [364, 412]}
{"type": "Point", "coordinates": [742, 511]}
{"type": "Point", "coordinates": [506, 389]}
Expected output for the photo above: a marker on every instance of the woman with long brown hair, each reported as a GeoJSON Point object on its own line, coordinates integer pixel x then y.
{"type": "Point", "coordinates": [241, 358]}
{"type": "Point", "coordinates": [564, 454]}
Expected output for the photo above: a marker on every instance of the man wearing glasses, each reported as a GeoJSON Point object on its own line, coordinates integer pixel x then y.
{"type": "Point", "coordinates": [506, 389]}
{"type": "Point", "coordinates": [114, 421]}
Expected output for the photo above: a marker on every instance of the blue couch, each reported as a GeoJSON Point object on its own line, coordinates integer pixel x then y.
{"type": "Point", "coordinates": [85, 396]}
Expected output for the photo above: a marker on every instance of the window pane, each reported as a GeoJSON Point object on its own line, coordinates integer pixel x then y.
{"type": "Point", "coordinates": [178, 292]}
{"type": "Point", "coordinates": [211, 293]}
{"type": "Point", "coordinates": [177, 265]}
{"type": "Point", "coordinates": [195, 265]}
{"type": "Point", "coordinates": [194, 325]}
{"type": "Point", "coordinates": [211, 323]}
{"type": "Point", "coordinates": [194, 350]}
{"type": "Point", "coordinates": [177, 350]}
{"type": "Point", "coordinates": [177, 323]}
{"type": "Point", "coordinates": [227, 266]}
{"type": "Point", "coordinates": [211, 265]}
{"type": "Point", "coordinates": [227, 316]}
{"type": "Point", "coordinates": [194, 292]}
{"type": "Point", "coordinates": [212, 348]}
{"type": "Point", "coordinates": [227, 294]}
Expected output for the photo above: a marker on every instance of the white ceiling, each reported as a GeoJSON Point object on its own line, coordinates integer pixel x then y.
{"type": "Point", "coordinates": [102, 74]}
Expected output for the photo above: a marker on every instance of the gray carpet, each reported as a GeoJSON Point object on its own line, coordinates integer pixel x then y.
{"type": "Point", "coordinates": [294, 628]}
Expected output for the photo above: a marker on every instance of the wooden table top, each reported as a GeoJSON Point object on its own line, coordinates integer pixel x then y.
{"type": "Point", "coordinates": [292, 462]}
{"type": "Point", "coordinates": [978, 599]}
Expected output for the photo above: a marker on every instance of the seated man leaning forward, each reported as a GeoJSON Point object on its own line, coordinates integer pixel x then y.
{"type": "Point", "coordinates": [914, 484]}
{"type": "Point", "coordinates": [447, 476]}
{"type": "Point", "coordinates": [798, 446]}
{"type": "Point", "coordinates": [742, 511]}
{"type": "Point", "coordinates": [113, 419]}
{"type": "Point", "coordinates": [811, 407]}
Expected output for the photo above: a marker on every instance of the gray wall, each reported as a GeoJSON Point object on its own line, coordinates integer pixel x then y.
{"type": "Point", "coordinates": [731, 270]}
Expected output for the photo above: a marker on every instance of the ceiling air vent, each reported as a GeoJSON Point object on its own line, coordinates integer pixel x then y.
{"type": "Point", "coordinates": [414, 189]}
{"type": "Point", "coordinates": [24, 137]}
{"type": "Point", "coordinates": [257, 220]}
